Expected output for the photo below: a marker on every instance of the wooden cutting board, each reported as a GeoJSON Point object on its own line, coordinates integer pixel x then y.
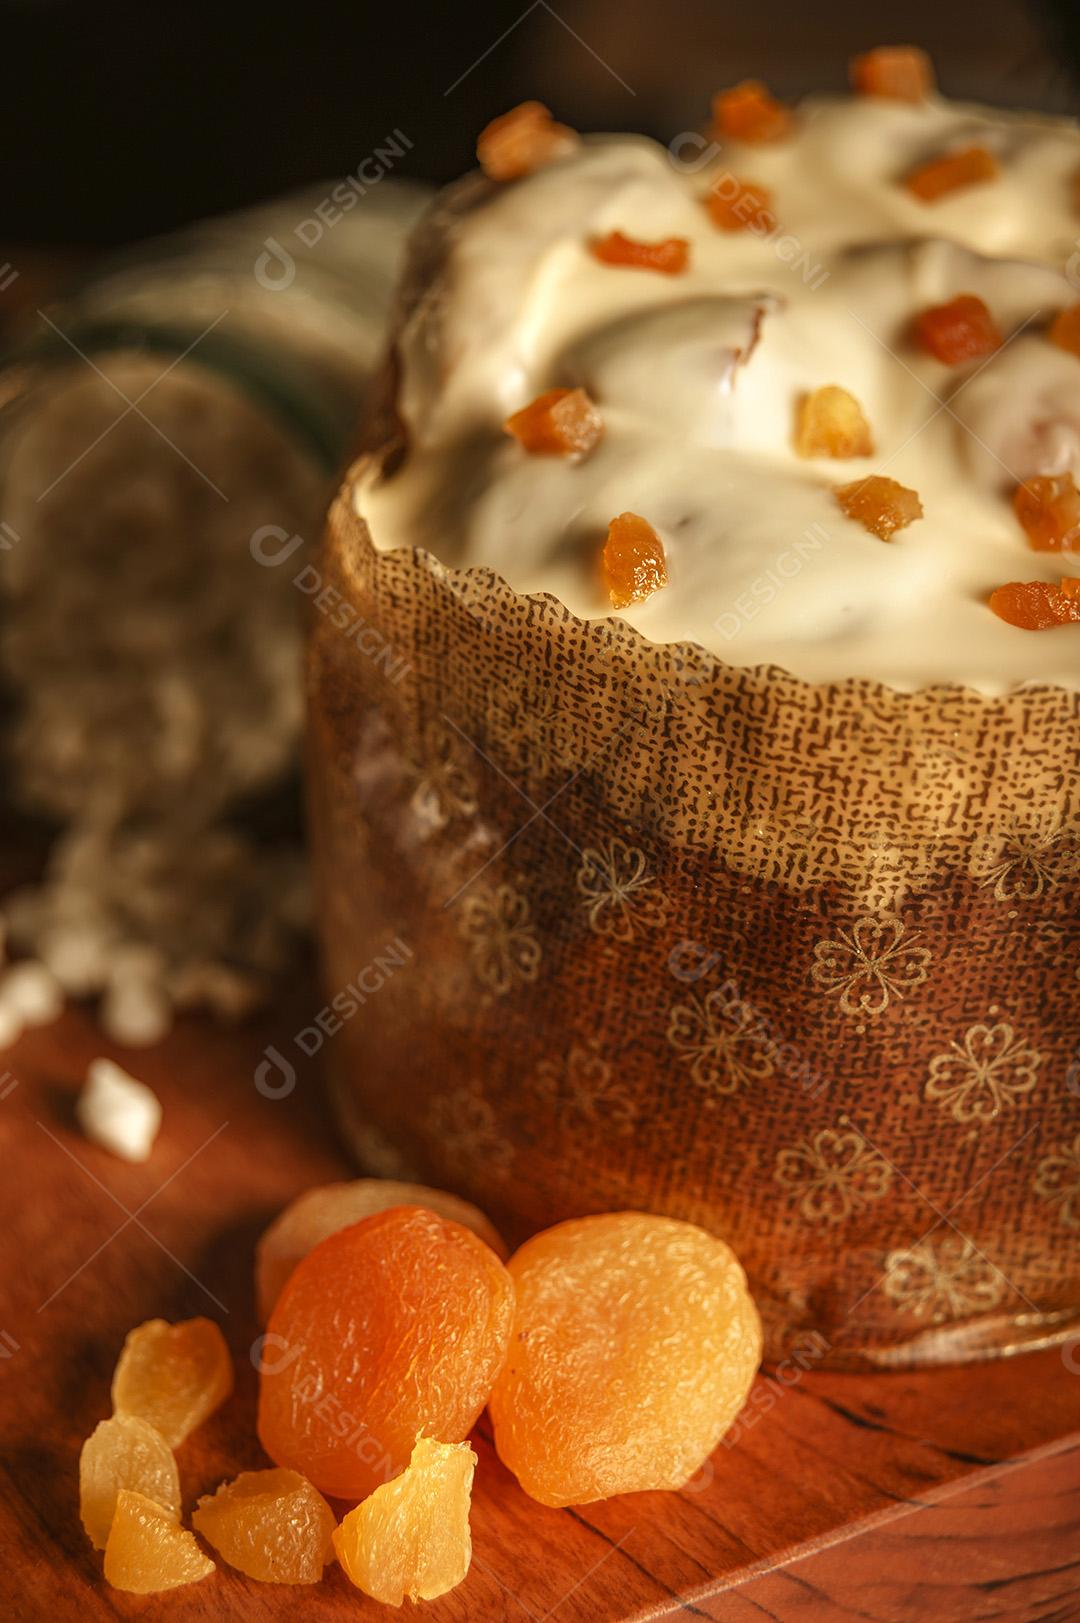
{"type": "Point", "coordinates": [944, 1496]}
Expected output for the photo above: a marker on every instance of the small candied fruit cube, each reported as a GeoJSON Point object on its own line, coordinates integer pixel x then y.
{"type": "Point", "coordinates": [559, 422]}
{"type": "Point", "coordinates": [880, 505]}
{"type": "Point", "coordinates": [899, 72]}
{"type": "Point", "coordinates": [124, 1452]}
{"type": "Point", "coordinates": [633, 563]}
{"type": "Point", "coordinates": [961, 330]}
{"type": "Point", "coordinates": [831, 423]}
{"type": "Point", "coordinates": [1065, 330]}
{"type": "Point", "coordinates": [669, 256]}
{"type": "Point", "coordinates": [410, 1539]}
{"type": "Point", "coordinates": [951, 173]}
{"type": "Point", "coordinates": [173, 1375]}
{"type": "Point", "coordinates": [272, 1525]}
{"type": "Point", "coordinates": [1037, 605]}
{"type": "Point", "coordinates": [749, 112]}
{"type": "Point", "coordinates": [739, 205]}
{"type": "Point", "coordinates": [1048, 507]}
{"type": "Point", "coordinates": [149, 1551]}
{"type": "Point", "coordinates": [524, 139]}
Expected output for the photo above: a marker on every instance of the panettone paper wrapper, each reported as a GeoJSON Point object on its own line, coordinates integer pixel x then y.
{"type": "Point", "coordinates": [636, 929]}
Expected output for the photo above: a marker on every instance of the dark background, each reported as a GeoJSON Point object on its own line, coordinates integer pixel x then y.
{"type": "Point", "coordinates": [121, 119]}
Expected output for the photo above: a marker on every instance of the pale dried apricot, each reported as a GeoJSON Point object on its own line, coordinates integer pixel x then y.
{"type": "Point", "coordinates": [880, 505]}
{"type": "Point", "coordinates": [961, 330]}
{"type": "Point", "coordinates": [633, 563]}
{"type": "Point", "coordinates": [272, 1525]}
{"type": "Point", "coordinates": [393, 1327]}
{"type": "Point", "coordinates": [951, 173]}
{"type": "Point", "coordinates": [410, 1539]}
{"type": "Point", "coordinates": [173, 1375]}
{"type": "Point", "coordinates": [635, 1342]}
{"type": "Point", "coordinates": [149, 1551]}
{"type": "Point", "coordinates": [524, 139]}
{"type": "Point", "coordinates": [898, 72]}
{"type": "Point", "coordinates": [1037, 605]}
{"type": "Point", "coordinates": [124, 1452]}
{"type": "Point", "coordinates": [559, 422]}
{"type": "Point", "coordinates": [669, 256]}
{"type": "Point", "coordinates": [831, 423]}
{"type": "Point", "coordinates": [1065, 330]}
{"type": "Point", "coordinates": [1048, 507]}
{"type": "Point", "coordinates": [749, 112]}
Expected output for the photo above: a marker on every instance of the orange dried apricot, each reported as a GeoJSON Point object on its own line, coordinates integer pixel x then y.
{"type": "Point", "coordinates": [880, 505]}
{"type": "Point", "coordinates": [392, 1327]}
{"type": "Point", "coordinates": [633, 563]}
{"type": "Point", "coordinates": [831, 423]}
{"type": "Point", "coordinates": [1048, 507]}
{"type": "Point", "coordinates": [1037, 605]}
{"type": "Point", "coordinates": [669, 256]}
{"type": "Point", "coordinates": [899, 72]}
{"type": "Point", "coordinates": [173, 1375]}
{"type": "Point", "coordinates": [124, 1452]}
{"type": "Point", "coordinates": [1065, 330]}
{"type": "Point", "coordinates": [272, 1525]}
{"type": "Point", "coordinates": [738, 205]}
{"type": "Point", "coordinates": [749, 112]}
{"type": "Point", "coordinates": [559, 422]}
{"type": "Point", "coordinates": [410, 1539]}
{"type": "Point", "coordinates": [524, 139]}
{"type": "Point", "coordinates": [951, 172]}
{"type": "Point", "coordinates": [318, 1213]}
{"type": "Point", "coordinates": [149, 1551]}
{"type": "Point", "coordinates": [961, 330]}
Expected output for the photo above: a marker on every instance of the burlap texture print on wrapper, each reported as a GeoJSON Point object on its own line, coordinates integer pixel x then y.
{"type": "Point", "coordinates": [797, 962]}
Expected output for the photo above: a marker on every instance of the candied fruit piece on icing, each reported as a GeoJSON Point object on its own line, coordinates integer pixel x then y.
{"type": "Point", "coordinates": [524, 139]}
{"type": "Point", "coordinates": [1037, 605]}
{"type": "Point", "coordinates": [318, 1213]}
{"type": "Point", "coordinates": [149, 1551]}
{"type": "Point", "coordinates": [880, 505]}
{"type": "Point", "coordinates": [749, 112]}
{"type": "Point", "coordinates": [392, 1327]}
{"type": "Point", "coordinates": [124, 1452]}
{"type": "Point", "coordinates": [961, 330]}
{"type": "Point", "coordinates": [173, 1375]}
{"type": "Point", "coordinates": [635, 1342]}
{"type": "Point", "coordinates": [740, 205]}
{"type": "Point", "coordinates": [559, 422]}
{"type": "Point", "coordinates": [633, 563]}
{"type": "Point", "coordinates": [272, 1525]}
{"type": "Point", "coordinates": [951, 173]}
{"type": "Point", "coordinates": [899, 72]}
{"type": "Point", "coordinates": [669, 256]}
{"type": "Point", "coordinates": [831, 423]}
{"type": "Point", "coordinates": [1048, 507]}
{"type": "Point", "coordinates": [410, 1539]}
{"type": "Point", "coordinates": [1065, 330]}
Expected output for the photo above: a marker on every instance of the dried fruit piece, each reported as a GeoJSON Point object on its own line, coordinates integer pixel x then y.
{"type": "Point", "coordinates": [831, 423]}
{"type": "Point", "coordinates": [149, 1551]}
{"type": "Point", "coordinates": [669, 256]}
{"type": "Point", "coordinates": [524, 139]}
{"type": "Point", "coordinates": [124, 1452]}
{"type": "Point", "coordinates": [392, 1327]}
{"type": "Point", "coordinates": [1048, 507]}
{"type": "Point", "coordinates": [633, 563]}
{"type": "Point", "coordinates": [738, 205]}
{"type": "Point", "coordinates": [635, 1343]}
{"type": "Point", "coordinates": [1037, 605]}
{"type": "Point", "coordinates": [318, 1213]}
{"type": "Point", "coordinates": [1065, 330]}
{"type": "Point", "coordinates": [273, 1525]}
{"type": "Point", "coordinates": [410, 1539]}
{"type": "Point", "coordinates": [173, 1375]}
{"type": "Point", "coordinates": [961, 330]}
{"type": "Point", "coordinates": [952, 172]}
{"type": "Point", "coordinates": [880, 505]}
{"type": "Point", "coordinates": [749, 112]}
{"type": "Point", "coordinates": [899, 72]}
{"type": "Point", "coordinates": [559, 422]}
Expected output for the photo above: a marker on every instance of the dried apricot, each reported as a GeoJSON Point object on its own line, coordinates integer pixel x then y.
{"type": "Point", "coordinates": [633, 563]}
{"type": "Point", "coordinates": [559, 422]}
{"type": "Point", "coordinates": [273, 1525]}
{"type": "Point", "coordinates": [124, 1452]}
{"type": "Point", "coordinates": [961, 330]}
{"type": "Point", "coordinates": [669, 256]}
{"type": "Point", "coordinates": [149, 1551]}
{"type": "Point", "coordinates": [749, 112]}
{"type": "Point", "coordinates": [880, 505]}
{"type": "Point", "coordinates": [739, 205]}
{"type": "Point", "coordinates": [1048, 507]}
{"type": "Point", "coordinates": [524, 139]}
{"type": "Point", "coordinates": [950, 173]}
{"type": "Point", "coordinates": [173, 1375]}
{"type": "Point", "coordinates": [899, 72]}
{"type": "Point", "coordinates": [410, 1539]}
{"type": "Point", "coordinates": [635, 1342]}
{"type": "Point", "coordinates": [1065, 330]}
{"type": "Point", "coordinates": [831, 423]}
{"type": "Point", "coordinates": [393, 1327]}
{"type": "Point", "coordinates": [318, 1213]}
{"type": "Point", "coordinates": [1036, 605]}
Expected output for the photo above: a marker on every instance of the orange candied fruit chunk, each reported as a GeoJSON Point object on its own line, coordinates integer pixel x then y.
{"type": "Point", "coordinates": [1037, 605]}
{"type": "Point", "coordinates": [1065, 330]}
{"type": "Point", "coordinates": [738, 205]}
{"type": "Point", "coordinates": [272, 1525]}
{"type": "Point", "coordinates": [633, 563]}
{"type": "Point", "coordinates": [172, 1375]}
{"type": "Point", "coordinates": [898, 72]}
{"type": "Point", "coordinates": [559, 422]}
{"type": "Point", "coordinates": [961, 330]}
{"type": "Point", "coordinates": [880, 505]}
{"type": "Point", "coordinates": [148, 1551]}
{"type": "Point", "coordinates": [831, 423]}
{"type": "Point", "coordinates": [1048, 507]}
{"type": "Point", "coordinates": [951, 173]}
{"type": "Point", "coordinates": [749, 112]}
{"type": "Point", "coordinates": [410, 1539]}
{"type": "Point", "coordinates": [524, 139]}
{"type": "Point", "coordinates": [670, 255]}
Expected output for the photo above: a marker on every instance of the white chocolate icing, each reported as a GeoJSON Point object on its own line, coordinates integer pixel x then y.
{"type": "Point", "coordinates": [698, 377]}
